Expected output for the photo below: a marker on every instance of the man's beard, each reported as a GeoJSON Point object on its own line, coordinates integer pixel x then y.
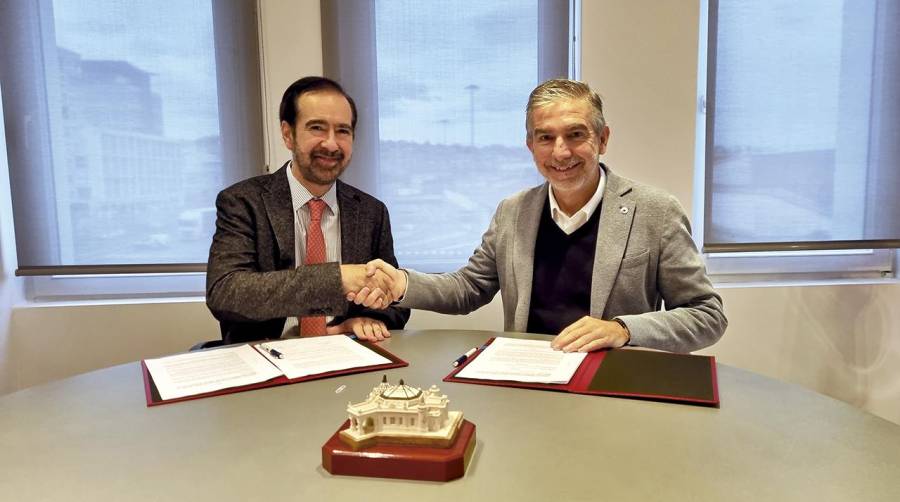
{"type": "Point", "coordinates": [310, 170]}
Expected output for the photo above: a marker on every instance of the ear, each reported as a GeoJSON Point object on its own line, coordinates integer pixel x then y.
{"type": "Point", "coordinates": [603, 140]}
{"type": "Point", "coordinates": [529, 143]}
{"type": "Point", "coordinates": [287, 135]}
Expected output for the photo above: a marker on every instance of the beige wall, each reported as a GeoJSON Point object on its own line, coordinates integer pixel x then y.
{"type": "Point", "coordinates": [642, 58]}
{"type": "Point", "coordinates": [10, 286]}
{"type": "Point", "coordinates": [291, 46]}
{"type": "Point", "coordinates": [842, 341]}
{"type": "Point", "coordinates": [51, 342]}
{"type": "Point", "coordinates": [839, 340]}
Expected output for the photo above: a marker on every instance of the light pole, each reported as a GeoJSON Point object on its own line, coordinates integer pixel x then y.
{"type": "Point", "coordinates": [444, 123]}
{"type": "Point", "coordinates": [472, 88]}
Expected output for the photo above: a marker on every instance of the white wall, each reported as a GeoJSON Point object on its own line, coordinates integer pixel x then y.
{"type": "Point", "coordinates": [839, 340]}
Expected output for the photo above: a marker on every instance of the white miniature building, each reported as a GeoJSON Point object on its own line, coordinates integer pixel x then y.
{"type": "Point", "coordinates": [402, 414]}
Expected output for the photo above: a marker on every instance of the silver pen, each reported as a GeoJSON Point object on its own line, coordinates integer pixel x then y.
{"type": "Point", "coordinates": [273, 352]}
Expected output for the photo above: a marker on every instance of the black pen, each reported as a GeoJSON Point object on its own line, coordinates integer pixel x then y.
{"type": "Point", "coordinates": [275, 353]}
{"type": "Point", "coordinates": [461, 359]}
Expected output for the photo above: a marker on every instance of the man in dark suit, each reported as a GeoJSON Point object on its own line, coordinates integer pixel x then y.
{"type": "Point", "coordinates": [285, 243]}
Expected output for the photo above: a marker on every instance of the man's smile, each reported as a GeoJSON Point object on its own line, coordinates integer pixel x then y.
{"type": "Point", "coordinates": [327, 160]}
{"type": "Point", "coordinates": [564, 168]}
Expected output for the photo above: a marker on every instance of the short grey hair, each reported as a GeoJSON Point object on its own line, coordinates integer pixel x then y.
{"type": "Point", "coordinates": [561, 89]}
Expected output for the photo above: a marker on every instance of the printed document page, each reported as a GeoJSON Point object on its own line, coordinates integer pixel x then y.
{"type": "Point", "coordinates": [319, 354]}
{"type": "Point", "coordinates": [207, 371]}
{"type": "Point", "coordinates": [523, 361]}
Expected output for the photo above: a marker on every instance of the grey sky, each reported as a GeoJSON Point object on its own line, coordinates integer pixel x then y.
{"type": "Point", "coordinates": [173, 40]}
{"type": "Point", "coordinates": [425, 65]}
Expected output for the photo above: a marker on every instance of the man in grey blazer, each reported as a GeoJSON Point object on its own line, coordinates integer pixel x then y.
{"type": "Point", "coordinates": [589, 256]}
{"type": "Point", "coordinates": [255, 287]}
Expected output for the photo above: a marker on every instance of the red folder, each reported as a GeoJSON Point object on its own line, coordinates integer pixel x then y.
{"type": "Point", "coordinates": [639, 374]}
{"type": "Point", "coordinates": [153, 398]}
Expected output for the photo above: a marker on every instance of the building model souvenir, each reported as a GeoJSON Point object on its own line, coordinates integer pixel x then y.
{"type": "Point", "coordinates": [401, 414]}
{"type": "Point", "coordinates": [400, 431]}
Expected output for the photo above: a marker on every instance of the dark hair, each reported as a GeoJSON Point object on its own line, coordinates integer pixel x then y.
{"type": "Point", "coordinates": [287, 112]}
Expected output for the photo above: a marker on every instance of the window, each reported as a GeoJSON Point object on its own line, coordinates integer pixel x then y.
{"type": "Point", "coordinates": [442, 88]}
{"type": "Point", "coordinates": [124, 118]}
{"type": "Point", "coordinates": [801, 137]}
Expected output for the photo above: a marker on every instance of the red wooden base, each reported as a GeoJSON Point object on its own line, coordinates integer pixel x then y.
{"type": "Point", "coordinates": [401, 461]}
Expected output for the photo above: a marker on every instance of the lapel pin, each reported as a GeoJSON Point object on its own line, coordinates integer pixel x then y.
{"type": "Point", "coordinates": [623, 210]}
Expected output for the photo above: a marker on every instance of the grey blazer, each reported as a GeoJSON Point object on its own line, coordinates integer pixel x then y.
{"type": "Point", "coordinates": [252, 283]}
{"type": "Point", "coordinates": [645, 256]}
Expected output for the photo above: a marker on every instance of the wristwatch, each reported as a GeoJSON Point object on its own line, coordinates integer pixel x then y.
{"type": "Point", "coordinates": [627, 331]}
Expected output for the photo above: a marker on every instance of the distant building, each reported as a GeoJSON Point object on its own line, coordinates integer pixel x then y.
{"type": "Point", "coordinates": [112, 95]}
{"type": "Point", "coordinates": [117, 172]}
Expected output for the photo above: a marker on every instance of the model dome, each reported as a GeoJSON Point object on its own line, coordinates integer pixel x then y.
{"type": "Point", "coordinates": [401, 391]}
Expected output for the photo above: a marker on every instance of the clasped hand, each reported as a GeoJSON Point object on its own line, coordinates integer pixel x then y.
{"type": "Point", "coordinates": [376, 284]}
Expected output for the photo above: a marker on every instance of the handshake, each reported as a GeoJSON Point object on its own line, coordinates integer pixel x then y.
{"type": "Point", "coordinates": [376, 284]}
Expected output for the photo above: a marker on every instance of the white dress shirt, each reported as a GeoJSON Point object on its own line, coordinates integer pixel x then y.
{"type": "Point", "coordinates": [331, 228]}
{"type": "Point", "coordinates": [569, 224]}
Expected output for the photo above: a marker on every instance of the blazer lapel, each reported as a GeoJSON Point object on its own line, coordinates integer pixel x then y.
{"type": "Point", "coordinates": [527, 222]}
{"type": "Point", "coordinates": [616, 217]}
{"type": "Point", "coordinates": [280, 210]}
{"type": "Point", "coordinates": [350, 225]}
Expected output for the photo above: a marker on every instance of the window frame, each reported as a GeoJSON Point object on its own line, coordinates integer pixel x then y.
{"type": "Point", "coordinates": [236, 41]}
{"type": "Point", "coordinates": [64, 283]}
{"type": "Point", "coordinates": [849, 265]}
{"type": "Point", "coordinates": [55, 288]}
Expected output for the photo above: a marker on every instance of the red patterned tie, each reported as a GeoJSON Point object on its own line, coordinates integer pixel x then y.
{"type": "Point", "coordinates": [315, 253]}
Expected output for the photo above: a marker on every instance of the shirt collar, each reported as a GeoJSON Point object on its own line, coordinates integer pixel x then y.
{"type": "Point", "coordinates": [588, 209]}
{"type": "Point", "coordinates": [300, 195]}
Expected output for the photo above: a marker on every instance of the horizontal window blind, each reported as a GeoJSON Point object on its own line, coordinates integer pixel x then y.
{"type": "Point", "coordinates": [803, 126]}
{"type": "Point", "coordinates": [124, 118]}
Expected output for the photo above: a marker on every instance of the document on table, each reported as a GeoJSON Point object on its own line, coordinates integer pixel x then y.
{"type": "Point", "coordinates": [320, 354]}
{"type": "Point", "coordinates": [210, 370]}
{"type": "Point", "coordinates": [523, 361]}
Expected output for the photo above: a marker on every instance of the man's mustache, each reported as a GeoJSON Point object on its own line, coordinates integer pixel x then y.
{"type": "Point", "coordinates": [337, 155]}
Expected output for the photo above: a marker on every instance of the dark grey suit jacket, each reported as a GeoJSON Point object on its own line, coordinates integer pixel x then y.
{"type": "Point", "coordinates": [645, 256]}
{"type": "Point", "coordinates": [252, 282]}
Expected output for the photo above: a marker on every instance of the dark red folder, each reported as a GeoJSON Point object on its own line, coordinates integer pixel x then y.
{"type": "Point", "coordinates": [639, 374]}
{"type": "Point", "coordinates": [153, 398]}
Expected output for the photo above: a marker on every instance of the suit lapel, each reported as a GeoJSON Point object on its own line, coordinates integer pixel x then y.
{"type": "Point", "coordinates": [527, 222]}
{"type": "Point", "coordinates": [350, 225]}
{"type": "Point", "coordinates": [616, 216]}
{"type": "Point", "coordinates": [280, 210]}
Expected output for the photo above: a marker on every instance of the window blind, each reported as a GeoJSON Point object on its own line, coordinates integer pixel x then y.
{"type": "Point", "coordinates": [803, 126]}
{"type": "Point", "coordinates": [124, 118]}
